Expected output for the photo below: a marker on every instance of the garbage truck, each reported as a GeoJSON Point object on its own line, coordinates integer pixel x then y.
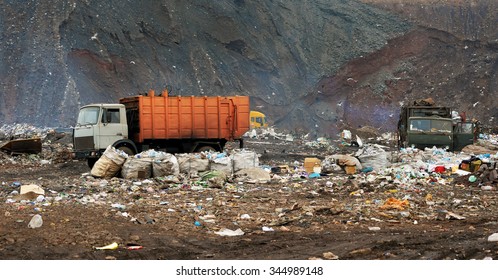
{"type": "Point", "coordinates": [258, 119]}
{"type": "Point", "coordinates": [425, 125]}
{"type": "Point", "coordinates": [175, 124]}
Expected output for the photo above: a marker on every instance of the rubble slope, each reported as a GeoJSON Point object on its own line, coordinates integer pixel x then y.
{"type": "Point", "coordinates": [316, 67]}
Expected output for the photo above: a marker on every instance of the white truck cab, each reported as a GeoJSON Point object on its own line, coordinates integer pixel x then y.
{"type": "Point", "coordinates": [98, 126]}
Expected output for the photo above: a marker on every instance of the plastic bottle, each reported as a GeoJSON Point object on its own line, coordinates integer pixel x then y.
{"type": "Point", "coordinates": [36, 221]}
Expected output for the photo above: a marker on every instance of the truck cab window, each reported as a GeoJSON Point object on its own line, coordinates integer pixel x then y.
{"type": "Point", "coordinates": [420, 125]}
{"type": "Point", "coordinates": [441, 126]}
{"type": "Point", "coordinates": [89, 115]}
{"type": "Point", "coordinates": [110, 116]}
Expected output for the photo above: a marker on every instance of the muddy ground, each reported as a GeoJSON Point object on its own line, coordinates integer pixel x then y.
{"type": "Point", "coordinates": [331, 217]}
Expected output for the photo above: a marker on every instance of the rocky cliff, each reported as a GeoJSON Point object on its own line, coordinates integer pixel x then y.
{"type": "Point", "coordinates": [449, 54]}
{"type": "Point", "coordinates": [312, 66]}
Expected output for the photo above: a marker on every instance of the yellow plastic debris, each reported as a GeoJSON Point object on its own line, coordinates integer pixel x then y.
{"type": "Point", "coordinates": [428, 197]}
{"type": "Point", "coordinates": [395, 204]}
{"type": "Point", "coordinates": [112, 246]}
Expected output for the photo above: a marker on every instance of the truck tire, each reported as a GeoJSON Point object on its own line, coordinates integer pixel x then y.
{"type": "Point", "coordinates": [205, 148]}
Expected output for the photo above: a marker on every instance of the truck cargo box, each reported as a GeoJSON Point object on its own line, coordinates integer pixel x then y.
{"type": "Point", "coordinates": [179, 117]}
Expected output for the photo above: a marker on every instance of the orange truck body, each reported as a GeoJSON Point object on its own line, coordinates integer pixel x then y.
{"type": "Point", "coordinates": [154, 117]}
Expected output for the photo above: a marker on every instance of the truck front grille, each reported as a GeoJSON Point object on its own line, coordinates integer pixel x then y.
{"type": "Point", "coordinates": [83, 143]}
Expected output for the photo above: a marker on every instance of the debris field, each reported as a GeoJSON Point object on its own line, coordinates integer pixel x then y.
{"type": "Point", "coordinates": [281, 197]}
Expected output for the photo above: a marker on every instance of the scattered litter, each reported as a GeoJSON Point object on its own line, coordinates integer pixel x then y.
{"type": "Point", "coordinates": [493, 237]}
{"type": "Point", "coordinates": [118, 206]}
{"type": "Point", "coordinates": [395, 204]}
{"type": "Point", "coordinates": [36, 221]}
{"type": "Point", "coordinates": [245, 216]}
{"type": "Point", "coordinates": [133, 247]}
{"type": "Point", "coordinates": [453, 216]}
{"type": "Point", "coordinates": [330, 256]}
{"type": "Point", "coordinates": [229, 232]}
{"type": "Point", "coordinates": [34, 189]}
{"type": "Point", "coordinates": [112, 246]}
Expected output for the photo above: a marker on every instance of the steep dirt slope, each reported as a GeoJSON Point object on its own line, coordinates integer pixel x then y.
{"type": "Point", "coordinates": [369, 91]}
{"type": "Point", "coordinates": [316, 66]}
{"type": "Point", "coordinates": [57, 55]}
{"type": "Point", "coordinates": [450, 55]}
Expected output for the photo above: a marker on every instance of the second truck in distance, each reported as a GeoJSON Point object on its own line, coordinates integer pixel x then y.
{"type": "Point", "coordinates": [424, 125]}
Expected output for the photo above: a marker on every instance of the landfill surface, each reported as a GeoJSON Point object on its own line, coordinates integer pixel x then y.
{"type": "Point", "coordinates": [412, 204]}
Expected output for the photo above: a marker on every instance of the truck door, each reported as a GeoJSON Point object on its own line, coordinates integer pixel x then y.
{"type": "Point", "coordinates": [86, 128]}
{"type": "Point", "coordinates": [112, 126]}
{"type": "Point", "coordinates": [464, 135]}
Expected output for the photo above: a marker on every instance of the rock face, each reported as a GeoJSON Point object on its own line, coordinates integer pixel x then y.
{"type": "Point", "coordinates": [313, 66]}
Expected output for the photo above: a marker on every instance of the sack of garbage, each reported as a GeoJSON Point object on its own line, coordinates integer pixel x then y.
{"type": "Point", "coordinates": [221, 162]}
{"type": "Point", "coordinates": [109, 163]}
{"type": "Point", "coordinates": [192, 163]}
{"type": "Point", "coordinates": [165, 165]}
{"type": "Point", "coordinates": [329, 165]}
{"type": "Point", "coordinates": [345, 160]}
{"type": "Point", "coordinates": [244, 159]}
{"type": "Point", "coordinates": [374, 156]}
{"type": "Point", "coordinates": [137, 168]}
{"type": "Point", "coordinates": [252, 175]}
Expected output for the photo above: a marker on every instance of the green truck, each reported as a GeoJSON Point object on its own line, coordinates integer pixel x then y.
{"type": "Point", "coordinates": [426, 126]}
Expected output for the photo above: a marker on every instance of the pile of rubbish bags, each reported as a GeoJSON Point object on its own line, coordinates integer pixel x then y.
{"type": "Point", "coordinates": [405, 166]}
{"type": "Point", "coordinates": [152, 164]}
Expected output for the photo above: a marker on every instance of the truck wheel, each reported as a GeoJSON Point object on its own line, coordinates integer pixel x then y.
{"type": "Point", "coordinates": [127, 150]}
{"type": "Point", "coordinates": [91, 162]}
{"type": "Point", "coordinates": [205, 149]}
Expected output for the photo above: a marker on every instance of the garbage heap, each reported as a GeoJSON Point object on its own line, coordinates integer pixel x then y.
{"type": "Point", "coordinates": [34, 146]}
{"type": "Point", "coordinates": [213, 167]}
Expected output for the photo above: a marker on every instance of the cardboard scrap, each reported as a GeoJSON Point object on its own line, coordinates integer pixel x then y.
{"type": "Point", "coordinates": [395, 204]}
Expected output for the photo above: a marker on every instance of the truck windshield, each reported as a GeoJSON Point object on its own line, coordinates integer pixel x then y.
{"type": "Point", "coordinates": [88, 115]}
{"type": "Point", "coordinates": [431, 125]}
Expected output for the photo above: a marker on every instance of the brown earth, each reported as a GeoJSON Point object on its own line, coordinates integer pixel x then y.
{"type": "Point", "coordinates": [309, 217]}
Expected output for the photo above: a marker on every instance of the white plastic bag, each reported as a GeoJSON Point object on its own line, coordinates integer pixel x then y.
{"type": "Point", "coordinates": [137, 168]}
{"type": "Point", "coordinates": [244, 159]}
{"type": "Point", "coordinates": [165, 165]}
{"type": "Point", "coordinates": [192, 163]}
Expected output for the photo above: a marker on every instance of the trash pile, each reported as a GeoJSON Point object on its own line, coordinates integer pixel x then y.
{"type": "Point", "coordinates": [371, 163]}
{"type": "Point", "coordinates": [34, 146]}
{"type": "Point", "coordinates": [22, 131]}
{"type": "Point", "coordinates": [233, 193]}
{"type": "Point", "coordinates": [214, 167]}
{"type": "Point", "coordinates": [268, 133]}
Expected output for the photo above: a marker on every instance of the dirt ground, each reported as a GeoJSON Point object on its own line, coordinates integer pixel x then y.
{"type": "Point", "coordinates": [331, 217]}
